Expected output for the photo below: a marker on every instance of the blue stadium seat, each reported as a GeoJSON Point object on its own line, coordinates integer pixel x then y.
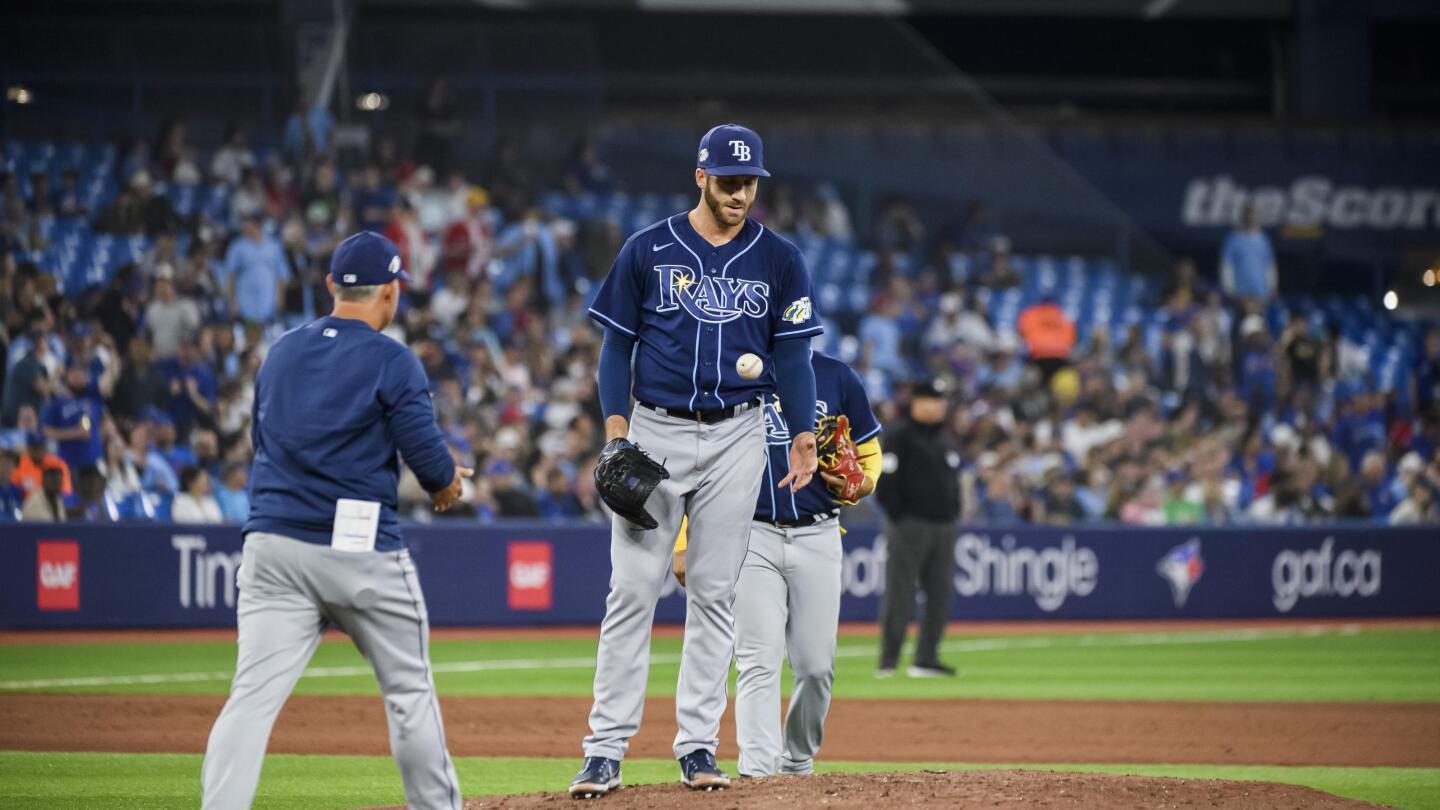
{"type": "Point", "coordinates": [858, 297]}
{"type": "Point", "coordinates": [830, 298]}
{"type": "Point", "coordinates": [182, 197]}
{"type": "Point", "coordinates": [160, 505]}
{"type": "Point", "coordinates": [136, 506]}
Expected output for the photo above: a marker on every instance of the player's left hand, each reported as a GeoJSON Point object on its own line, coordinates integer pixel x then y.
{"type": "Point", "coordinates": [447, 497]}
{"type": "Point", "coordinates": [803, 461]}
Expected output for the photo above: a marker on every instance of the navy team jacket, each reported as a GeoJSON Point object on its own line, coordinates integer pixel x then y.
{"type": "Point", "coordinates": [334, 401]}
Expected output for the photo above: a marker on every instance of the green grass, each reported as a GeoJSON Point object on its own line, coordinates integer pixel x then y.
{"type": "Point", "coordinates": [1373, 665]}
{"type": "Point", "coordinates": [42, 781]}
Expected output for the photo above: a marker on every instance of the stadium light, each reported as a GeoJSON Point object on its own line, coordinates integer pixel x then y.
{"type": "Point", "coordinates": [19, 93]}
{"type": "Point", "coordinates": [1391, 300]}
{"type": "Point", "coordinates": [370, 102]}
{"type": "Point", "coordinates": [1430, 278]}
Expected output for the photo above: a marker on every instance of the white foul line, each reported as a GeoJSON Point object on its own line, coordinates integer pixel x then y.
{"type": "Point", "coordinates": [850, 651]}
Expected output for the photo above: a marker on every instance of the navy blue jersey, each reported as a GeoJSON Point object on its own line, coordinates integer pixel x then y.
{"type": "Point", "coordinates": [334, 400]}
{"type": "Point", "coordinates": [694, 308]}
{"type": "Point", "coordinates": [838, 390]}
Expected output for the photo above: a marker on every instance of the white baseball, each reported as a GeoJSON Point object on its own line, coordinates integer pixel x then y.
{"type": "Point", "coordinates": [749, 366]}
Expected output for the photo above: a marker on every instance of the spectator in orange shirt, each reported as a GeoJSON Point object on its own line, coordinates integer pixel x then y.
{"type": "Point", "coordinates": [1049, 336]}
{"type": "Point", "coordinates": [30, 472]}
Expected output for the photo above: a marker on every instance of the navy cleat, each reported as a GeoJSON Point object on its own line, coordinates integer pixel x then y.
{"type": "Point", "coordinates": [598, 777]}
{"type": "Point", "coordinates": [699, 772]}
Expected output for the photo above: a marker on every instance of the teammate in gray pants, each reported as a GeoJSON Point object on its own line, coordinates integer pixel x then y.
{"type": "Point", "coordinates": [787, 601]}
{"type": "Point", "coordinates": [334, 402]}
{"type": "Point", "coordinates": [704, 313]}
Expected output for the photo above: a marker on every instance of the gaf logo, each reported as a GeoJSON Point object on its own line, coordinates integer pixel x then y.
{"type": "Point", "coordinates": [57, 585]}
{"type": "Point", "coordinates": [1310, 573]}
{"type": "Point", "coordinates": [530, 585]}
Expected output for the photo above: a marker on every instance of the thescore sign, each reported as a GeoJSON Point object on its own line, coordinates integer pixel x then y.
{"type": "Point", "coordinates": [542, 573]}
{"type": "Point", "coordinates": [1310, 201]}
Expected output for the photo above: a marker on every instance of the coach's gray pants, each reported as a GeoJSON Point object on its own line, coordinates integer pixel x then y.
{"type": "Point", "coordinates": [290, 592]}
{"type": "Point", "coordinates": [787, 600]}
{"type": "Point", "coordinates": [715, 473]}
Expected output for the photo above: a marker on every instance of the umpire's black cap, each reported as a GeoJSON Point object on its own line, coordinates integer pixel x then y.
{"type": "Point", "coordinates": [929, 389]}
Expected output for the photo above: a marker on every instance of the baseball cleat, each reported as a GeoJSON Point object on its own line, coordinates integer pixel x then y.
{"type": "Point", "coordinates": [885, 672]}
{"type": "Point", "coordinates": [698, 771]}
{"type": "Point", "coordinates": [931, 671]}
{"type": "Point", "coordinates": [598, 777]}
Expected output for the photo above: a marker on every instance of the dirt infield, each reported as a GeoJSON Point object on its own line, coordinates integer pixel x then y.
{"type": "Point", "coordinates": [999, 731]}
{"type": "Point", "coordinates": [977, 789]}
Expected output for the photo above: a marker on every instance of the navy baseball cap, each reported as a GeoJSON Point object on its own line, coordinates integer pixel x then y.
{"type": "Point", "coordinates": [366, 259]}
{"type": "Point", "coordinates": [731, 149]}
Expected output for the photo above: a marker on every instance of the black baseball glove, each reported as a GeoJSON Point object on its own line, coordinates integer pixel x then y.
{"type": "Point", "coordinates": [625, 476]}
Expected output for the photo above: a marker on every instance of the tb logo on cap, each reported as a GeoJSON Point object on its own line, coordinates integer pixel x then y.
{"type": "Point", "coordinates": [741, 149]}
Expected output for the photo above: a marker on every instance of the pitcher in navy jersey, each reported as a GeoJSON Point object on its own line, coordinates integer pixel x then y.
{"type": "Point", "coordinates": [685, 299]}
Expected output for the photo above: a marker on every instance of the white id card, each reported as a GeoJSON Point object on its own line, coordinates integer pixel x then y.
{"type": "Point", "coordinates": [356, 523]}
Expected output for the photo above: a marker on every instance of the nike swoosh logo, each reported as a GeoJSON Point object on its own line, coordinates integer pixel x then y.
{"type": "Point", "coordinates": [659, 248]}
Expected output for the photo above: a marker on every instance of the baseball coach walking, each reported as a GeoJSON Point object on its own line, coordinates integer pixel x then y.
{"type": "Point", "coordinates": [334, 401]}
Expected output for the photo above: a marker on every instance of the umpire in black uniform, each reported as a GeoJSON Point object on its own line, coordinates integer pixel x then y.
{"type": "Point", "coordinates": [921, 499]}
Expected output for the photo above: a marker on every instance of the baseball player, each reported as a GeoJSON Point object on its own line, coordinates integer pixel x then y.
{"type": "Point", "coordinates": [696, 298]}
{"type": "Point", "coordinates": [788, 597]}
{"type": "Point", "coordinates": [334, 400]}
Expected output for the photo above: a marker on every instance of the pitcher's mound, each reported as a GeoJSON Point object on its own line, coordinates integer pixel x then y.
{"type": "Point", "coordinates": [931, 789]}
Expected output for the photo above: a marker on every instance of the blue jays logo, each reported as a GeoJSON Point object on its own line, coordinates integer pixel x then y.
{"type": "Point", "coordinates": [776, 431]}
{"type": "Point", "coordinates": [1181, 567]}
{"type": "Point", "coordinates": [710, 299]}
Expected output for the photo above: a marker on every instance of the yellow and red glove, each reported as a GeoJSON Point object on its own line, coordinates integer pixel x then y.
{"type": "Point", "coordinates": [836, 450]}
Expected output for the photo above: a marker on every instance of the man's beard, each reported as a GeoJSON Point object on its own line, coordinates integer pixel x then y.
{"type": "Point", "coordinates": [718, 209]}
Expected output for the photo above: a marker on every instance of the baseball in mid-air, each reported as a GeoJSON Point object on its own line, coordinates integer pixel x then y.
{"type": "Point", "coordinates": [749, 366]}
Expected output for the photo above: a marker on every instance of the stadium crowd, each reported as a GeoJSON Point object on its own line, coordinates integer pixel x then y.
{"type": "Point", "coordinates": [131, 399]}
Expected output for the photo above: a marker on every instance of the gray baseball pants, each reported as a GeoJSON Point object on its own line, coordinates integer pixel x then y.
{"type": "Point", "coordinates": [290, 593]}
{"type": "Point", "coordinates": [787, 601]}
{"type": "Point", "coordinates": [715, 473]}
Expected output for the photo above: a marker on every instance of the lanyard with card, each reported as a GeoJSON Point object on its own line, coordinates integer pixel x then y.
{"type": "Point", "coordinates": [356, 524]}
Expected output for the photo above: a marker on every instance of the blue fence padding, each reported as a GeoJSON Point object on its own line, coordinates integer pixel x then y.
{"type": "Point", "coordinates": [165, 575]}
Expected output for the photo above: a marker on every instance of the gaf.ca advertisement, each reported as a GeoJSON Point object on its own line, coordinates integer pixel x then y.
{"type": "Point", "coordinates": [537, 574]}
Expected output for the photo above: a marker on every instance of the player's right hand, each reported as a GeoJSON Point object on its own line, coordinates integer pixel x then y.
{"type": "Point", "coordinates": [803, 461]}
{"type": "Point", "coordinates": [447, 497]}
